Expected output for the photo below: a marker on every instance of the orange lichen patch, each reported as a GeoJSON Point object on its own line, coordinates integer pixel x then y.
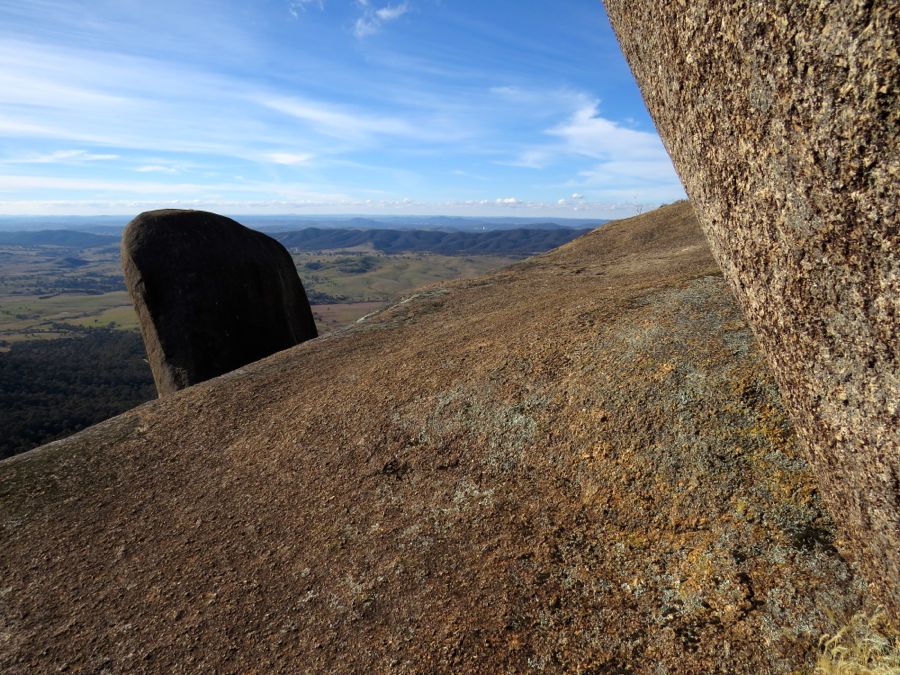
{"type": "Point", "coordinates": [663, 370]}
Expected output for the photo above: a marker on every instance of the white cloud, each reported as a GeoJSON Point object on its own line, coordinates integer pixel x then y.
{"type": "Point", "coordinates": [532, 159]}
{"type": "Point", "coordinates": [354, 125]}
{"type": "Point", "coordinates": [199, 120]}
{"type": "Point", "coordinates": [23, 128]}
{"type": "Point", "coordinates": [373, 19]}
{"type": "Point", "coordinates": [10, 183]}
{"type": "Point", "coordinates": [627, 161]}
{"type": "Point", "coordinates": [155, 168]}
{"type": "Point", "coordinates": [296, 7]}
{"type": "Point", "coordinates": [289, 158]}
{"type": "Point", "coordinates": [35, 85]}
{"type": "Point", "coordinates": [587, 133]}
{"type": "Point", "coordinates": [64, 157]}
{"type": "Point", "coordinates": [335, 121]}
{"type": "Point", "coordinates": [389, 13]}
{"type": "Point", "coordinates": [364, 27]}
{"type": "Point", "coordinates": [223, 193]}
{"type": "Point", "coordinates": [91, 97]}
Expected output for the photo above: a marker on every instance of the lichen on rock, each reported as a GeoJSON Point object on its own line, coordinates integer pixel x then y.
{"type": "Point", "coordinates": [783, 121]}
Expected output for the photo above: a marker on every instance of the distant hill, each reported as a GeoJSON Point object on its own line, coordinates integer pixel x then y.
{"type": "Point", "coordinates": [95, 224]}
{"type": "Point", "coordinates": [514, 242]}
{"type": "Point", "coordinates": [518, 242]}
{"type": "Point", "coordinates": [113, 225]}
{"type": "Point", "coordinates": [443, 223]}
{"type": "Point", "coordinates": [69, 238]}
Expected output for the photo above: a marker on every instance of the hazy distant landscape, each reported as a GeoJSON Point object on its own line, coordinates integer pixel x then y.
{"type": "Point", "coordinates": [66, 318]}
{"type": "Point", "coordinates": [113, 225]}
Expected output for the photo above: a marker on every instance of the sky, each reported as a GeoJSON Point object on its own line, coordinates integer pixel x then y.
{"type": "Point", "coordinates": [307, 107]}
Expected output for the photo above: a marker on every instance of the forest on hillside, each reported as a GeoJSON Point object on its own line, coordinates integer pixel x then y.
{"type": "Point", "coordinates": [50, 389]}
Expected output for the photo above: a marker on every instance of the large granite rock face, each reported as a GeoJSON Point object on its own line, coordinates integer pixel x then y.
{"type": "Point", "coordinates": [211, 295]}
{"type": "Point", "coordinates": [782, 119]}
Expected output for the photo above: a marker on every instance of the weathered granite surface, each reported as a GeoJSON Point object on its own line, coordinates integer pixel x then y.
{"type": "Point", "coordinates": [211, 295]}
{"type": "Point", "coordinates": [782, 120]}
{"type": "Point", "coordinates": [447, 487]}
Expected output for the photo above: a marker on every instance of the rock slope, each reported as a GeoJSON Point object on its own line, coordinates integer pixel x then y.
{"type": "Point", "coordinates": [783, 121]}
{"type": "Point", "coordinates": [578, 462]}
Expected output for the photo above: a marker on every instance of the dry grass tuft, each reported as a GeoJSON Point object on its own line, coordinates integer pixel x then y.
{"type": "Point", "coordinates": [862, 647]}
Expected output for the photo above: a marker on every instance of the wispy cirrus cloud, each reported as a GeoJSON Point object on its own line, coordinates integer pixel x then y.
{"type": "Point", "coordinates": [90, 97]}
{"type": "Point", "coordinates": [373, 19]}
{"type": "Point", "coordinates": [95, 101]}
{"type": "Point", "coordinates": [289, 158]}
{"type": "Point", "coordinates": [63, 157]}
{"type": "Point", "coordinates": [170, 192]}
{"type": "Point", "coordinates": [297, 7]}
{"type": "Point", "coordinates": [17, 183]}
{"type": "Point", "coordinates": [350, 124]}
{"type": "Point", "coordinates": [391, 12]}
{"type": "Point", "coordinates": [587, 133]}
{"type": "Point", "coordinates": [576, 199]}
{"type": "Point", "coordinates": [338, 121]}
{"type": "Point", "coordinates": [155, 168]}
{"type": "Point", "coordinates": [626, 161]}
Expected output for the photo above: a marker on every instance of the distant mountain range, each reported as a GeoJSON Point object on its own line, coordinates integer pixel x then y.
{"type": "Point", "coordinates": [66, 238]}
{"type": "Point", "coordinates": [113, 225]}
{"type": "Point", "coordinates": [518, 242]}
{"type": "Point", "coordinates": [441, 223]}
{"type": "Point", "coordinates": [513, 242]}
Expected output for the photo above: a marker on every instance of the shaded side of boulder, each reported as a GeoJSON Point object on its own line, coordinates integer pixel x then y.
{"type": "Point", "coordinates": [782, 120]}
{"type": "Point", "coordinates": [211, 295]}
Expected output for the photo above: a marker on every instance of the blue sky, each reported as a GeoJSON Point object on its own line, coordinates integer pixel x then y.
{"type": "Point", "coordinates": [461, 107]}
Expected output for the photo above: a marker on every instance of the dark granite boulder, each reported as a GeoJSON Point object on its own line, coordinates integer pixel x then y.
{"type": "Point", "coordinates": [211, 295]}
{"type": "Point", "coordinates": [783, 121]}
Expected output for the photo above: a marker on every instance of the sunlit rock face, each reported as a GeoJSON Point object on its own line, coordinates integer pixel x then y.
{"type": "Point", "coordinates": [782, 120]}
{"type": "Point", "coordinates": [448, 486]}
{"type": "Point", "coordinates": [211, 295]}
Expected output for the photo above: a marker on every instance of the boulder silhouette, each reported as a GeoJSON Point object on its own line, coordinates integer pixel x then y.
{"type": "Point", "coordinates": [782, 120]}
{"type": "Point", "coordinates": [211, 295]}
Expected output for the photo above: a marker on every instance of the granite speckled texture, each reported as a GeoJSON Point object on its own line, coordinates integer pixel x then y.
{"type": "Point", "coordinates": [447, 487]}
{"type": "Point", "coordinates": [782, 120]}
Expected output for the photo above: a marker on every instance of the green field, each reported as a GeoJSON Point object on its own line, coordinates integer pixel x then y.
{"type": "Point", "coordinates": [331, 317]}
{"type": "Point", "coordinates": [32, 317]}
{"type": "Point", "coordinates": [371, 277]}
{"type": "Point", "coordinates": [42, 293]}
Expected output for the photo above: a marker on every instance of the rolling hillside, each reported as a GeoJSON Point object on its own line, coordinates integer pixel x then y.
{"type": "Point", "coordinates": [516, 242]}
